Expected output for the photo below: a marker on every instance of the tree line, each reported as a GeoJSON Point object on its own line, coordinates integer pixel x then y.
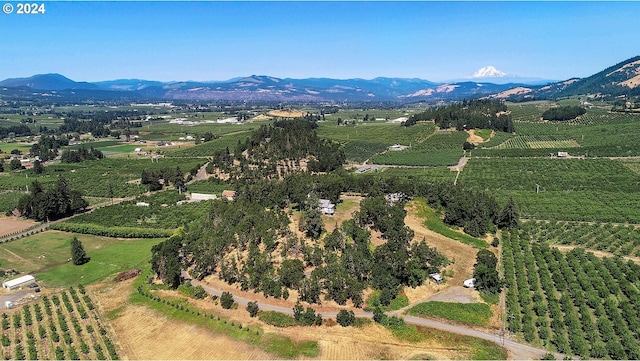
{"type": "Point", "coordinates": [59, 201]}
{"type": "Point", "coordinates": [563, 113]}
{"type": "Point", "coordinates": [468, 114]}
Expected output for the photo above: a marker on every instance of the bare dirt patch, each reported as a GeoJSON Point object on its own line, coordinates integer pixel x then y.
{"type": "Point", "coordinates": [473, 138]}
{"type": "Point", "coordinates": [9, 225]}
{"type": "Point", "coordinates": [457, 294]}
{"type": "Point", "coordinates": [286, 113]}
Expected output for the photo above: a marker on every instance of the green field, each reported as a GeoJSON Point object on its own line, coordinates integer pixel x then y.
{"type": "Point", "coordinates": [45, 255]}
{"type": "Point", "coordinates": [569, 189]}
{"type": "Point", "coordinates": [94, 178]}
{"type": "Point", "coordinates": [477, 314]}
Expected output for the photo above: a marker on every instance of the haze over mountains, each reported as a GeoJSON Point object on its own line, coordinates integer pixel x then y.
{"type": "Point", "coordinates": [620, 79]}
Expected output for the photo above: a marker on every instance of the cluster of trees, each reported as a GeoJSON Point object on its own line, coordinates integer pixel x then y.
{"type": "Point", "coordinates": [249, 244]}
{"type": "Point", "coordinates": [562, 113]}
{"type": "Point", "coordinates": [56, 202]}
{"type": "Point", "coordinates": [468, 114]}
{"type": "Point", "coordinates": [274, 150]}
{"type": "Point", "coordinates": [17, 130]}
{"type": "Point", "coordinates": [157, 178]}
{"type": "Point", "coordinates": [485, 272]}
{"type": "Point", "coordinates": [477, 212]}
{"type": "Point", "coordinates": [47, 147]}
{"type": "Point", "coordinates": [80, 155]}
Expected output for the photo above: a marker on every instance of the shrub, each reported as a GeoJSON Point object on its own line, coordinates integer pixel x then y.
{"type": "Point", "coordinates": [226, 300]}
{"type": "Point", "coordinates": [346, 318]}
{"type": "Point", "coordinates": [253, 309]}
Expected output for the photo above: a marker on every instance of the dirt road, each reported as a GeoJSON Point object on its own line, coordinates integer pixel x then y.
{"type": "Point", "coordinates": [516, 350]}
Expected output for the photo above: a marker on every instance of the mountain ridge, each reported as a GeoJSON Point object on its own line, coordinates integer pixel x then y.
{"type": "Point", "coordinates": [620, 79]}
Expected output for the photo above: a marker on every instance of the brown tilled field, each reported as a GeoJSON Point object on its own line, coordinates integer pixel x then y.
{"type": "Point", "coordinates": [12, 225]}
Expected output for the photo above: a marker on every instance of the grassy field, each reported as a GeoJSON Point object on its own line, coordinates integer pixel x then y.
{"type": "Point", "coordinates": [476, 314]}
{"type": "Point", "coordinates": [46, 256]}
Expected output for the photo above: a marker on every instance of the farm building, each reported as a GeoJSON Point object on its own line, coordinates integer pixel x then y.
{"type": "Point", "coordinates": [229, 195]}
{"type": "Point", "coordinates": [142, 204]}
{"type": "Point", "coordinates": [326, 207]}
{"type": "Point", "coordinates": [19, 282]}
{"type": "Point", "coordinates": [197, 197]}
{"type": "Point", "coordinates": [563, 154]}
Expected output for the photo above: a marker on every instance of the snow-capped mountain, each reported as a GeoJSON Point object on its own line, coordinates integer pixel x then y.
{"type": "Point", "coordinates": [488, 72]}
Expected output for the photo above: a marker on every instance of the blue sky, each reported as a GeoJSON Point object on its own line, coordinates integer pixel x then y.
{"type": "Point", "coordinates": [93, 41]}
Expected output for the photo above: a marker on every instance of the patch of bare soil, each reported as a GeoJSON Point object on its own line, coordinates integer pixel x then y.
{"type": "Point", "coordinates": [146, 334]}
{"type": "Point", "coordinates": [457, 294]}
{"type": "Point", "coordinates": [9, 225]}
{"type": "Point", "coordinates": [473, 138]}
{"type": "Point", "coordinates": [286, 113]}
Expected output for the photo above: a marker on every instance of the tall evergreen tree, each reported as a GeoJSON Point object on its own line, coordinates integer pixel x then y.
{"type": "Point", "coordinates": [508, 218]}
{"type": "Point", "coordinates": [78, 254]}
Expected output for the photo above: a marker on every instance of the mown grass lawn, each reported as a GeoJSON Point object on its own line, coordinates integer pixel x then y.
{"type": "Point", "coordinates": [46, 256]}
{"type": "Point", "coordinates": [477, 314]}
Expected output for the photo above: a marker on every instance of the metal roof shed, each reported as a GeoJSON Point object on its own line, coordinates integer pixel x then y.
{"type": "Point", "coordinates": [18, 282]}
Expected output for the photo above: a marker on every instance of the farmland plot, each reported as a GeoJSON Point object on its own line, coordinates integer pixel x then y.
{"type": "Point", "coordinates": [574, 303]}
{"type": "Point", "coordinates": [618, 239]}
{"type": "Point", "coordinates": [567, 189]}
{"type": "Point", "coordinates": [61, 326]}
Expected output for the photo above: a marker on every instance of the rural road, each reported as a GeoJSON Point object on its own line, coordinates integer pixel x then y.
{"type": "Point", "coordinates": [517, 351]}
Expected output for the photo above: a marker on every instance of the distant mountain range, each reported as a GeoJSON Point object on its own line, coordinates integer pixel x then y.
{"type": "Point", "coordinates": [620, 79]}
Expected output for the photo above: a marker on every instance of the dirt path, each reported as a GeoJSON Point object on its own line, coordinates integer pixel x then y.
{"type": "Point", "coordinates": [516, 350]}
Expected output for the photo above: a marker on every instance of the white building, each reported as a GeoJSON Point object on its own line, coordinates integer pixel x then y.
{"type": "Point", "coordinates": [197, 197]}
{"type": "Point", "coordinates": [326, 207]}
{"type": "Point", "coordinates": [19, 282]}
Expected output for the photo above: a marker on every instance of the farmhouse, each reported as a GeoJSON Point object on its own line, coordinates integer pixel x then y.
{"type": "Point", "coordinates": [326, 207]}
{"type": "Point", "coordinates": [19, 282]}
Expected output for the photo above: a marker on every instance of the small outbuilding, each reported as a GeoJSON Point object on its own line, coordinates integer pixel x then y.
{"type": "Point", "coordinates": [326, 207]}
{"type": "Point", "coordinates": [19, 282]}
{"type": "Point", "coordinates": [436, 277]}
{"type": "Point", "coordinates": [8, 304]}
{"type": "Point", "coordinates": [229, 195]}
